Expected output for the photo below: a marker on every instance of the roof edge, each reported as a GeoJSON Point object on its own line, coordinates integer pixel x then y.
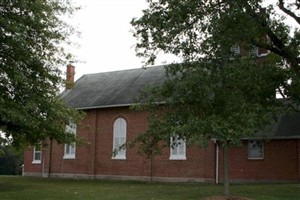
{"type": "Point", "coordinates": [105, 106]}
{"type": "Point", "coordinates": [272, 137]}
{"type": "Point", "coordinates": [115, 105]}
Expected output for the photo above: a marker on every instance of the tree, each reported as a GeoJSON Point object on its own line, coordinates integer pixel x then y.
{"type": "Point", "coordinates": [31, 38]}
{"type": "Point", "coordinates": [214, 92]}
{"type": "Point", "coordinates": [10, 159]}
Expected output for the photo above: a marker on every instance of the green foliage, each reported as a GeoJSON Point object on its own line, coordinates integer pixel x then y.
{"type": "Point", "coordinates": [204, 100]}
{"type": "Point", "coordinates": [11, 159]}
{"type": "Point", "coordinates": [193, 29]}
{"type": "Point", "coordinates": [31, 38]}
{"type": "Point", "coordinates": [214, 92]}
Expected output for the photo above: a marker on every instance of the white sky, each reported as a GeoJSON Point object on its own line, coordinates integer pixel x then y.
{"type": "Point", "coordinates": [106, 43]}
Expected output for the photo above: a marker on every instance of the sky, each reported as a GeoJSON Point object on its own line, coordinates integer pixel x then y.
{"type": "Point", "coordinates": [106, 43]}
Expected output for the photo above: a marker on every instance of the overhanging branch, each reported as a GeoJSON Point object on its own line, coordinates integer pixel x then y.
{"type": "Point", "coordinates": [288, 12]}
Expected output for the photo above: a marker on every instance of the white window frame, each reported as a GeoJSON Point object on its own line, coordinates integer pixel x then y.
{"type": "Point", "coordinates": [70, 149]}
{"type": "Point", "coordinates": [37, 150]}
{"type": "Point", "coordinates": [119, 139]}
{"type": "Point", "coordinates": [177, 145]}
{"type": "Point", "coordinates": [255, 153]}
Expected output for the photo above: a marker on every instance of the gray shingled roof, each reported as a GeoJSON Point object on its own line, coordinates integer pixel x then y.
{"type": "Point", "coordinates": [111, 89]}
{"type": "Point", "coordinates": [120, 88]}
{"type": "Point", "coordinates": [286, 127]}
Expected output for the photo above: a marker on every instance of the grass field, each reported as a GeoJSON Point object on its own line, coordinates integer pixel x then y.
{"type": "Point", "coordinates": [26, 188]}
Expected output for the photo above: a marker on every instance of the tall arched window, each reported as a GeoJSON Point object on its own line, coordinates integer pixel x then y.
{"type": "Point", "coordinates": [120, 128]}
{"type": "Point", "coordinates": [177, 148]}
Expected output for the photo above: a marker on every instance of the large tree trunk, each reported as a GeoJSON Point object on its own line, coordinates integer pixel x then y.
{"type": "Point", "coordinates": [225, 170]}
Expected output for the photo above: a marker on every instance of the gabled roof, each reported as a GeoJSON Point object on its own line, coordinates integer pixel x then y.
{"type": "Point", "coordinates": [121, 88]}
{"type": "Point", "coordinates": [112, 89]}
{"type": "Point", "coordinates": [286, 127]}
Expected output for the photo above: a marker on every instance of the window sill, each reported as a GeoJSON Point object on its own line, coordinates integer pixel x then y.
{"type": "Point", "coordinates": [255, 158]}
{"type": "Point", "coordinates": [69, 157]}
{"type": "Point", "coordinates": [177, 158]}
{"type": "Point", "coordinates": [37, 162]}
{"type": "Point", "coordinates": [118, 158]}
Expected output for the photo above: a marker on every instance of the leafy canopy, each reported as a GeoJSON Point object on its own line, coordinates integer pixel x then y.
{"type": "Point", "coordinates": [215, 93]}
{"type": "Point", "coordinates": [31, 52]}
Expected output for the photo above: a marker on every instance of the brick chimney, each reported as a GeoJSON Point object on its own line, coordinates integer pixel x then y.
{"type": "Point", "coordinates": [70, 77]}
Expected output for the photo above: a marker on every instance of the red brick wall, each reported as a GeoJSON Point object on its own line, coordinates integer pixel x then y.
{"type": "Point", "coordinates": [281, 157]}
{"type": "Point", "coordinates": [28, 166]}
{"type": "Point", "coordinates": [95, 157]}
{"type": "Point", "coordinates": [279, 162]}
{"type": "Point", "coordinates": [83, 164]}
{"type": "Point", "coordinates": [199, 164]}
{"type": "Point", "coordinates": [136, 165]}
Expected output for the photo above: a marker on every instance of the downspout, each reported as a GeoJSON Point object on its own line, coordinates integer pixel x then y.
{"type": "Point", "coordinates": [95, 142]}
{"type": "Point", "coordinates": [216, 161]}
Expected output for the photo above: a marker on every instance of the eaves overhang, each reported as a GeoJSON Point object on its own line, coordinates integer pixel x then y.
{"type": "Point", "coordinates": [105, 106]}
{"type": "Point", "coordinates": [114, 106]}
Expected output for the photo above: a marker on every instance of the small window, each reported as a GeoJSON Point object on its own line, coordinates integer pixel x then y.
{"type": "Point", "coordinates": [255, 149]}
{"type": "Point", "coordinates": [119, 139]}
{"type": "Point", "coordinates": [37, 154]}
{"type": "Point", "coordinates": [177, 148]}
{"type": "Point", "coordinates": [235, 50]}
{"type": "Point", "coordinates": [70, 149]}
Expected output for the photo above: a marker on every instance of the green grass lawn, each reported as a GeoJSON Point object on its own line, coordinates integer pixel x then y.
{"type": "Point", "coordinates": [42, 188]}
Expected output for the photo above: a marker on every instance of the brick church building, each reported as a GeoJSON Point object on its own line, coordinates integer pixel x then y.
{"type": "Point", "coordinates": [109, 122]}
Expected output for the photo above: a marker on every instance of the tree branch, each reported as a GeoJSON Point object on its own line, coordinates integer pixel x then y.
{"type": "Point", "coordinates": [277, 45]}
{"type": "Point", "coordinates": [274, 38]}
{"type": "Point", "coordinates": [288, 12]}
{"type": "Point", "coordinates": [281, 93]}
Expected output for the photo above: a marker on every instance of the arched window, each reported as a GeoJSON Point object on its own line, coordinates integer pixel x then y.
{"type": "Point", "coordinates": [119, 139]}
{"type": "Point", "coordinates": [177, 148]}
